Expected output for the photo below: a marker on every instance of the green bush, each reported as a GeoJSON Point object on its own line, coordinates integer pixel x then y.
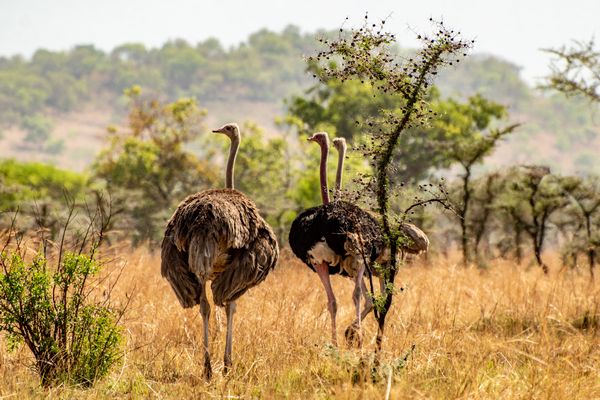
{"type": "Point", "coordinates": [74, 337]}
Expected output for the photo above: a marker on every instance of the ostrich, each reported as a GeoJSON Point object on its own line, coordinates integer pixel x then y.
{"type": "Point", "coordinates": [336, 238]}
{"type": "Point", "coordinates": [217, 235]}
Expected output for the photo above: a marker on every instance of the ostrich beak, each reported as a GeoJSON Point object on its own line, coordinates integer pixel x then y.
{"type": "Point", "coordinates": [220, 130]}
{"type": "Point", "coordinates": [311, 138]}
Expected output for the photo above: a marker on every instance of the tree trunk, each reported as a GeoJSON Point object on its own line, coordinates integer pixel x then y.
{"type": "Point", "coordinates": [463, 216]}
{"type": "Point", "coordinates": [591, 253]}
{"type": "Point", "coordinates": [518, 252]}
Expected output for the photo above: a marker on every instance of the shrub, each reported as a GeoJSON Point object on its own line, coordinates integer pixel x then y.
{"type": "Point", "coordinates": [52, 306]}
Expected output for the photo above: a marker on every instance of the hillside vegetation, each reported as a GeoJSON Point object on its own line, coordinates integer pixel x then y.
{"type": "Point", "coordinates": [58, 103]}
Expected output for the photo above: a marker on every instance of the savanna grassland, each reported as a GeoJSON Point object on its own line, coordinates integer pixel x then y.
{"type": "Point", "coordinates": [453, 332]}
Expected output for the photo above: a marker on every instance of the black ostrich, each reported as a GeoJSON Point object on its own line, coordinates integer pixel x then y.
{"type": "Point", "coordinates": [337, 238]}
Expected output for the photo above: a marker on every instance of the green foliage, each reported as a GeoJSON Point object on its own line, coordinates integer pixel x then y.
{"type": "Point", "coordinates": [73, 338]}
{"type": "Point", "coordinates": [24, 182]}
{"type": "Point", "coordinates": [38, 192]}
{"type": "Point", "coordinates": [265, 68]}
{"type": "Point", "coordinates": [148, 169]}
{"type": "Point", "coordinates": [338, 107]}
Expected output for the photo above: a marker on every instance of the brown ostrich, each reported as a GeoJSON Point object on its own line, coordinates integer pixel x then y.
{"type": "Point", "coordinates": [217, 235]}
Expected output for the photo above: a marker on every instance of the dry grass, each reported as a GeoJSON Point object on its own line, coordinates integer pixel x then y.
{"type": "Point", "coordinates": [500, 333]}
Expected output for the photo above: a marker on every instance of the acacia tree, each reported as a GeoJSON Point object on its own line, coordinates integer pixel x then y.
{"type": "Point", "coordinates": [364, 54]}
{"type": "Point", "coordinates": [583, 210]}
{"type": "Point", "coordinates": [470, 139]}
{"type": "Point", "coordinates": [531, 197]}
{"type": "Point", "coordinates": [575, 70]}
{"type": "Point", "coordinates": [483, 213]}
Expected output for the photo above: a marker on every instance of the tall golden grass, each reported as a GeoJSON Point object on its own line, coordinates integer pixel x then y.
{"type": "Point", "coordinates": [453, 332]}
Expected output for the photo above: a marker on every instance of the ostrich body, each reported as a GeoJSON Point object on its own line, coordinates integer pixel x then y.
{"type": "Point", "coordinates": [336, 238]}
{"type": "Point", "coordinates": [217, 235]}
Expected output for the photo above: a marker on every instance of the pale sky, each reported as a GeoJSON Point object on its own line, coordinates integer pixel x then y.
{"type": "Point", "coordinates": [512, 29]}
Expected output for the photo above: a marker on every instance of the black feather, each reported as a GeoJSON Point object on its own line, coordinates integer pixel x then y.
{"type": "Point", "coordinates": [334, 222]}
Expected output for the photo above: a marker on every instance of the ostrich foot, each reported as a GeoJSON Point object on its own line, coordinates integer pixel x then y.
{"type": "Point", "coordinates": [207, 369]}
{"type": "Point", "coordinates": [227, 365]}
{"type": "Point", "coordinates": [353, 336]}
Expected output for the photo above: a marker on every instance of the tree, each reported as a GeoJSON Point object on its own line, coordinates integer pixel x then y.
{"type": "Point", "coordinates": [147, 168]}
{"type": "Point", "coordinates": [364, 54]}
{"type": "Point", "coordinates": [485, 191]}
{"type": "Point", "coordinates": [531, 198]}
{"type": "Point", "coordinates": [575, 70]}
{"type": "Point", "coordinates": [469, 140]}
{"type": "Point", "coordinates": [584, 210]}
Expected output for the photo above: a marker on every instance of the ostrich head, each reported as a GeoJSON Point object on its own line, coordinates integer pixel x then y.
{"type": "Point", "coordinates": [339, 143]}
{"type": "Point", "coordinates": [321, 138]}
{"type": "Point", "coordinates": [231, 130]}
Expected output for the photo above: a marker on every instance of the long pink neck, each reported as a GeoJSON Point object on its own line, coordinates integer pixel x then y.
{"type": "Point", "coordinates": [235, 143]}
{"type": "Point", "coordinates": [324, 187]}
{"type": "Point", "coordinates": [340, 171]}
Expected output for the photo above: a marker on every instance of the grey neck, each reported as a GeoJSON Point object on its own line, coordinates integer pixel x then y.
{"type": "Point", "coordinates": [340, 172]}
{"type": "Point", "coordinates": [324, 187]}
{"type": "Point", "coordinates": [235, 143]}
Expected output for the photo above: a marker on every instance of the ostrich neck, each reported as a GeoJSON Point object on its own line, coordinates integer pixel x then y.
{"type": "Point", "coordinates": [235, 143]}
{"type": "Point", "coordinates": [340, 172]}
{"type": "Point", "coordinates": [324, 187]}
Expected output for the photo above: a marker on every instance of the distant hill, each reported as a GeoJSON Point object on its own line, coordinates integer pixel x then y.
{"type": "Point", "coordinates": [53, 107]}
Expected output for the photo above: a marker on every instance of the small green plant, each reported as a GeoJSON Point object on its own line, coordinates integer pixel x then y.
{"type": "Point", "coordinates": [50, 303]}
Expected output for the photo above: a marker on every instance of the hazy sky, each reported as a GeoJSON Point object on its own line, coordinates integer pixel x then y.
{"type": "Point", "coordinates": [513, 29]}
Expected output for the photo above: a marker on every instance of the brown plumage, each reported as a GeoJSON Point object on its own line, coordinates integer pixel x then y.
{"type": "Point", "coordinates": [217, 235]}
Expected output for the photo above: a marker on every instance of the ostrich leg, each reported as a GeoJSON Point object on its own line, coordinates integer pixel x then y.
{"type": "Point", "coordinates": [353, 331]}
{"type": "Point", "coordinates": [323, 271]}
{"type": "Point", "coordinates": [354, 327]}
{"type": "Point", "coordinates": [205, 312]}
{"type": "Point", "coordinates": [230, 310]}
